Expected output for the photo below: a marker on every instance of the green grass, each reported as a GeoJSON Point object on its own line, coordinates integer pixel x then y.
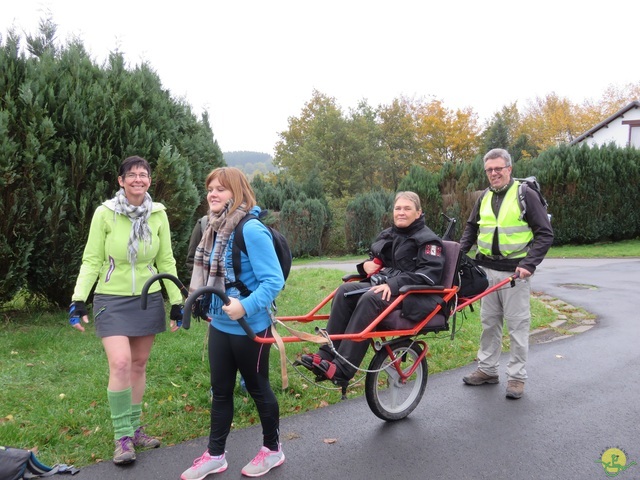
{"type": "Point", "coordinates": [53, 378]}
{"type": "Point", "coordinates": [625, 248]}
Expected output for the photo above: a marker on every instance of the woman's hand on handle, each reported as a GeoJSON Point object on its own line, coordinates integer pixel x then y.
{"type": "Point", "coordinates": [77, 311]}
{"type": "Point", "coordinates": [234, 309]}
{"type": "Point", "coordinates": [175, 317]}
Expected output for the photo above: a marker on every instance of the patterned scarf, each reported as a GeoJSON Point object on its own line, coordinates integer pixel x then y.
{"type": "Point", "coordinates": [208, 270]}
{"type": "Point", "coordinates": [139, 216]}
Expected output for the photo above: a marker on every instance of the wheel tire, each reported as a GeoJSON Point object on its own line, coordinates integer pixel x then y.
{"type": "Point", "coordinates": [388, 398]}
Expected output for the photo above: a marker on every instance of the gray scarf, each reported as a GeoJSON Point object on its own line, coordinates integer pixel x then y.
{"type": "Point", "coordinates": [208, 261]}
{"type": "Point", "coordinates": [139, 216]}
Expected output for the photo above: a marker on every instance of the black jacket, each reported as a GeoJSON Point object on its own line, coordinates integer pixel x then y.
{"type": "Point", "coordinates": [410, 256]}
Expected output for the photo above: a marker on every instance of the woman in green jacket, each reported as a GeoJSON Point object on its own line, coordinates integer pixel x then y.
{"type": "Point", "coordinates": [129, 241]}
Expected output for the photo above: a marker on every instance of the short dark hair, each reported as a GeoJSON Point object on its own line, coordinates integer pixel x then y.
{"type": "Point", "coordinates": [134, 161]}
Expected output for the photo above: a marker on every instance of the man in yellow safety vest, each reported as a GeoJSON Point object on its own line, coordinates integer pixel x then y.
{"type": "Point", "coordinates": [507, 243]}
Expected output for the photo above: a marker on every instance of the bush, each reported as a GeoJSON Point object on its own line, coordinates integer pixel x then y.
{"type": "Point", "coordinates": [426, 184]}
{"type": "Point", "coordinates": [334, 242]}
{"type": "Point", "coordinates": [65, 126]}
{"type": "Point", "coordinates": [302, 223]}
{"type": "Point", "coordinates": [592, 192]}
{"type": "Point", "coordinates": [366, 216]}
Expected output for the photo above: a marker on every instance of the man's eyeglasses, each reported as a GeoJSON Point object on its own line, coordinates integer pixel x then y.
{"type": "Point", "coordinates": [495, 169]}
{"type": "Point", "coordinates": [133, 176]}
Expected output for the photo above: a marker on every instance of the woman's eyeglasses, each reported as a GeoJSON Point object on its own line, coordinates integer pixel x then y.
{"type": "Point", "coordinates": [133, 176]}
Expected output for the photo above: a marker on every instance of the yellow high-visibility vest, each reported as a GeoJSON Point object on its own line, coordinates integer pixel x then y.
{"type": "Point", "coordinates": [514, 235]}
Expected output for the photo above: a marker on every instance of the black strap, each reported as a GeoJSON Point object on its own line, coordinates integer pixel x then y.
{"type": "Point", "coordinates": [242, 288]}
{"type": "Point", "coordinates": [239, 246]}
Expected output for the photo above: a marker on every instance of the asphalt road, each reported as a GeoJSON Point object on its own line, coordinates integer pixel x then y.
{"type": "Point", "coordinates": [581, 399]}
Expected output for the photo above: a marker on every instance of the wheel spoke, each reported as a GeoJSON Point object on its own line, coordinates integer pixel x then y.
{"type": "Point", "coordinates": [389, 397]}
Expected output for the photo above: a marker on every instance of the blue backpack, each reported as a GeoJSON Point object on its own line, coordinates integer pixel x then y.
{"type": "Point", "coordinates": [279, 243]}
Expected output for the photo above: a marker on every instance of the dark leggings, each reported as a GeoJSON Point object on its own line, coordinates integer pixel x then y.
{"type": "Point", "coordinates": [228, 354]}
{"type": "Point", "coordinates": [351, 315]}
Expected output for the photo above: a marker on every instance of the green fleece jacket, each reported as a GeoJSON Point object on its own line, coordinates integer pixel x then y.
{"type": "Point", "coordinates": [105, 256]}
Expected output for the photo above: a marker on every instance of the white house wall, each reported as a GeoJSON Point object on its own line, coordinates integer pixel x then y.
{"type": "Point", "coordinates": [617, 132]}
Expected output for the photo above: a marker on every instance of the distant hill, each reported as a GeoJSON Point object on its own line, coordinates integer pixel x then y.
{"type": "Point", "coordinates": [250, 163]}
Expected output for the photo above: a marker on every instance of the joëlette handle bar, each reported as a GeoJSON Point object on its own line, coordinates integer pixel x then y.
{"type": "Point", "coordinates": [468, 301]}
{"type": "Point", "coordinates": [145, 288]}
{"type": "Point", "coordinates": [186, 316]}
{"type": "Point", "coordinates": [450, 228]}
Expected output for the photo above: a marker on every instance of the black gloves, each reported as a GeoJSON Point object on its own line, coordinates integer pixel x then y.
{"type": "Point", "coordinates": [176, 314]}
{"type": "Point", "coordinates": [200, 308]}
{"type": "Point", "coordinates": [77, 310]}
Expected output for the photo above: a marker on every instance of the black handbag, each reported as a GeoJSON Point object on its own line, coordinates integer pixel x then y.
{"type": "Point", "coordinates": [473, 279]}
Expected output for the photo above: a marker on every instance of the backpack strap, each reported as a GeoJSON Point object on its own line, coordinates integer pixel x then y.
{"type": "Point", "coordinates": [522, 192]}
{"type": "Point", "coordinates": [530, 182]}
{"type": "Point", "coordinates": [204, 222]}
{"type": "Point", "coordinates": [238, 246]}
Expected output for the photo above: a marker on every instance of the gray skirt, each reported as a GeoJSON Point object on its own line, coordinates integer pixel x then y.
{"type": "Point", "coordinates": [120, 315]}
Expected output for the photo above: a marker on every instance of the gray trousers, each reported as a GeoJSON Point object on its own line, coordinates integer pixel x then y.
{"type": "Point", "coordinates": [513, 306]}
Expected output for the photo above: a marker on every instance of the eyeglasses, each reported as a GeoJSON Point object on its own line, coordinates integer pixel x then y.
{"type": "Point", "coordinates": [495, 169]}
{"type": "Point", "coordinates": [133, 176]}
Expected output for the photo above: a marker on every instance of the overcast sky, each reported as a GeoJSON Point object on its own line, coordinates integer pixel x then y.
{"type": "Point", "coordinates": [253, 64]}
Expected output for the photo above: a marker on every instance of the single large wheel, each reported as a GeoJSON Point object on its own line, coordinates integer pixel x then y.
{"type": "Point", "coordinates": [388, 396]}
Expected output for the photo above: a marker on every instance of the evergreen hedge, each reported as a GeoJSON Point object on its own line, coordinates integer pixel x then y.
{"type": "Point", "coordinates": [302, 223]}
{"type": "Point", "coordinates": [65, 126]}
{"type": "Point", "coordinates": [366, 216]}
{"type": "Point", "coordinates": [592, 192]}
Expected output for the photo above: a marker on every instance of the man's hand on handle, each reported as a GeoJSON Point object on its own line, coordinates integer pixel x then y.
{"type": "Point", "coordinates": [523, 273]}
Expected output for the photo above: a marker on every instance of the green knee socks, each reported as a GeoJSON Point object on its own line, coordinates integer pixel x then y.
{"type": "Point", "coordinates": [136, 412]}
{"type": "Point", "coordinates": [121, 412]}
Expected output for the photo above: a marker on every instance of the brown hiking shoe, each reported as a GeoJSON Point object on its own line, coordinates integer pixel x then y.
{"type": "Point", "coordinates": [142, 440]}
{"type": "Point", "coordinates": [515, 389]}
{"type": "Point", "coordinates": [124, 452]}
{"type": "Point", "coordinates": [479, 377]}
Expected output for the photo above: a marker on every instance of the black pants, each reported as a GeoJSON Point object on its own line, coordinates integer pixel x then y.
{"type": "Point", "coordinates": [350, 315]}
{"type": "Point", "coordinates": [228, 354]}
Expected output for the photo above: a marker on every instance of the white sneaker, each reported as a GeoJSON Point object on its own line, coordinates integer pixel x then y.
{"type": "Point", "coordinates": [264, 462]}
{"type": "Point", "coordinates": [203, 466]}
